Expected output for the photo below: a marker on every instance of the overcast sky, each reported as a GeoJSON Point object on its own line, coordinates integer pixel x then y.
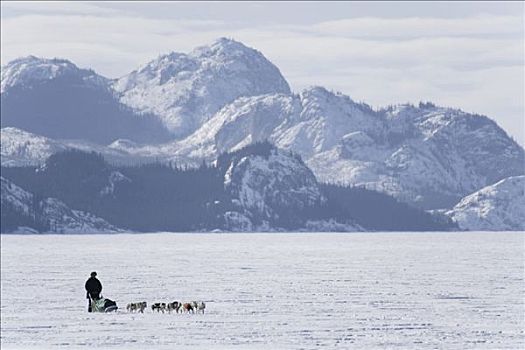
{"type": "Point", "coordinates": [468, 55]}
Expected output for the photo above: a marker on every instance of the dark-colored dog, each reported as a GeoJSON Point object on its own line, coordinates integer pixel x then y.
{"type": "Point", "coordinates": [158, 307]}
{"type": "Point", "coordinates": [174, 306]}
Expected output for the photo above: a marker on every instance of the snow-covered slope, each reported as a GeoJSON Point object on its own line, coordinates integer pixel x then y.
{"type": "Point", "coordinates": [55, 98]}
{"type": "Point", "coordinates": [59, 217]}
{"type": "Point", "coordinates": [187, 89]}
{"type": "Point", "coordinates": [22, 148]}
{"type": "Point", "coordinates": [498, 207]}
{"type": "Point", "coordinates": [428, 155]}
{"type": "Point", "coordinates": [266, 186]}
{"type": "Point", "coordinates": [308, 123]}
{"type": "Point", "coordinates": [27, 72]}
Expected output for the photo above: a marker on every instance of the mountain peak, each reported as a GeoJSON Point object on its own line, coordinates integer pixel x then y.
{"type": "Point", "coordinates": [28, 70]}
{"type": "Point", "coordinates": [227, 42]}
{"type": "Point", "coordinates": [316, 90]}
{"type": "Point", "coordinates": [322, 92]}
{"type": "Point", "coordinates": [31, 59]}
{"type": "Point", "coordinates": [185, 90]}
{"type": "Point", "coordinates": [223, 46]}
{"type": "Point", "coordinates": [28, 62]}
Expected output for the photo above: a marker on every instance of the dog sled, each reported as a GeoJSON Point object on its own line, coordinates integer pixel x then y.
{"type": "Point", "coordinates": [103, 305]}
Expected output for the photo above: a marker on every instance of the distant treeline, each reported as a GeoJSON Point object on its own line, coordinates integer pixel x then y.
{"type": "Point", "coordinates": [161, 197]}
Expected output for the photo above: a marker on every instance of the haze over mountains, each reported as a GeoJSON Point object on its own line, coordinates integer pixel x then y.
{"type": "Point", "coordinates": [187, 108]}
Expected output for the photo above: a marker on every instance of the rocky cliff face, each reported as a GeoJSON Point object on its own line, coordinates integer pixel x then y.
{"type": "Point", "coordinates": [497, 207]}
{"type": "Point", "coordinates": [270, 188]}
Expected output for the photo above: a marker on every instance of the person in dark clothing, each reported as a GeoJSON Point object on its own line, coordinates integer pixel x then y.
{"type": "Point", "coordinates": [93, 289]}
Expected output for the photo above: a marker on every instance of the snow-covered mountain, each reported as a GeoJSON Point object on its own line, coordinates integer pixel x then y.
{"type": "Point", "coordinates": [30, 71]}
{"type": "Point", "coordinates": [426, 154]}
{"type": "Point", "coordinates": [21, 148]}
{"type": "Point", "coordinates": [222, 97]}
{"type": "Point", "coordinates": [500, 206]}
{"type": "Point", "coordinates": [309, 123]}
{"type": "Point", "coordinates": [49, 212]}
{"type": "Point", "coordinates": [269, 187]}
{"type": "Point", "coordinates": [55, 98]}
{"type": "Point", "coordinates": [187, 89]}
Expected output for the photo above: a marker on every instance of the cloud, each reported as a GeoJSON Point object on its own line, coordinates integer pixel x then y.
{"type": "Point", "coordinates": [21, 8]}
{"type": "Point", "coordinates": [416, 27]}
{"type": "Point", "coordinates": [474, 63]}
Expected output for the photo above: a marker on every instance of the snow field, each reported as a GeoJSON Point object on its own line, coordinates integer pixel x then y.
{"type": "Point", "coordinates": [267, 291]}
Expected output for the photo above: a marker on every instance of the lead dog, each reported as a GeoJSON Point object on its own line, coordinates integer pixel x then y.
{"type": "Point", "coordinates": [132, 307]}
{"type": "Point", "coordinates": [198, 306]}
{"type": "Point", "coordinates": [158, 307]}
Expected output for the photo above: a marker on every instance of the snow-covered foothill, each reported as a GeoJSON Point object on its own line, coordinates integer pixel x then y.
{"type": "Point", "coordinates": [21, 148]}
{"type": "Point", "coordinates": [59, 217]}
{"type": "Point", "coordinates": [498, 207]}
{"type": "Point", "coordinates": [267, 185]}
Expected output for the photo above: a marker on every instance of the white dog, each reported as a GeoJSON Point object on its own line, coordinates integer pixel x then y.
{"type": "Point", "coordinates": [198, 306]}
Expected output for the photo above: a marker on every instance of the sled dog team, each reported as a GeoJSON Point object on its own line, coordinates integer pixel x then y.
{"type": "Point", "coordinates": [191, 307]}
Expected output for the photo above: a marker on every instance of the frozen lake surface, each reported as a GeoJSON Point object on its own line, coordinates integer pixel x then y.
{"type": "Point", "coordinates": [268, 291]}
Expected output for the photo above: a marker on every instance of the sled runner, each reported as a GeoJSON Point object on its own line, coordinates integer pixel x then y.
{"type": "Point", "coordinates": [103, 305]}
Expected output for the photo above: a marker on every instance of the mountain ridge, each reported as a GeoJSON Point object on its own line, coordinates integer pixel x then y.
{"type": "Point", "coordinates": [256, 188]}
{"type": "Point", "coordinates": [404, 151]}
{"type": "Point", "coordinates": [225, 96]}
